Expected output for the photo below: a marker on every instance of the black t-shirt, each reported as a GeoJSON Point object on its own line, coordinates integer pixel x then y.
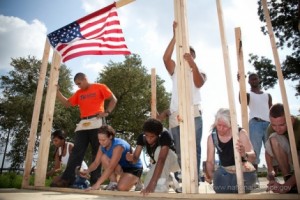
{"type": "Point", "coordinates": [226, 156]}
{"type": "Point", "coordinates": [164, 139]}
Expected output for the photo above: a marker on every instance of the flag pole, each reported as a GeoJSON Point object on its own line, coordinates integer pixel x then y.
{"type": "Point", "coordinates": [153, 93]}
{"type": "Point", "coordinates": [231, 100]}
{"type": "Point", "coordinates": [241, 71]}
{"type": "Point", "coordinates": [123, 3]}
{"type": "Point", "coordinates": [35, 115]}
{"type": "Point", "coordinates": [283, 95]}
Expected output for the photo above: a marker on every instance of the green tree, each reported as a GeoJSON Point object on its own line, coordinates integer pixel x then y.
{"type": "Point", "coordinates": [131, 85]}
{"type": "Point", "coordinates": [285, 18]}
{"type": "Point", "coordinates": [17, 102]}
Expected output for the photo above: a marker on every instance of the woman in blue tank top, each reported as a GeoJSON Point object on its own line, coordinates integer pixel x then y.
{"type": "Point", "coordinates": [112, 155]}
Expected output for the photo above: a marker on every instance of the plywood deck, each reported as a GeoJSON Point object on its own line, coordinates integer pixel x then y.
{"type": "Point", "coordinates": [205, 192]}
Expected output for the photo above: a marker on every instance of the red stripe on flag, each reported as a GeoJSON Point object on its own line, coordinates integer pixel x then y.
{"type": "Point", "coordinates": [83, 53]}
{"type": "Point", "coordinates": [93, 32]}
{"type": "Point", "coordinates": [84, 26]}
{"type": "Point", "coordinates": [87, 45]}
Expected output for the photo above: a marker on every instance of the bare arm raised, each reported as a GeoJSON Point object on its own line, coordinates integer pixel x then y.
{"type": "Point", "coordinates": [169, 63]}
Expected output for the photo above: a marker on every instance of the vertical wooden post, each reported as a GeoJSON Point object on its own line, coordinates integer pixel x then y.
{"type": "Point", "coordinates": [35, 116]}
{"type": "Point", "coordinates": [231, 100]}
{"type": "Point", "coordinates": [241, 71]}
{"type": "Point", "coordinates": [283, 94]}
{"type": "Point", "coordinates": [47, 122]}
{"type": "Point", "coordinates": [185, 102]}
{"type": "Point", "coordinates": [153, 93]}
{"type": "Point", "coordinates": [299, 18]}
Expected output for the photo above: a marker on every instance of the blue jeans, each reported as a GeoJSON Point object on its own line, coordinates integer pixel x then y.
{"type": "Point", "coordinates": [81, 142]}
{"type": "Point", "coordinates": [258, 137]}
{"type": "Point", "coordinates": [225, 182]}
{"type": "Point", "coordinates": [198, 131]}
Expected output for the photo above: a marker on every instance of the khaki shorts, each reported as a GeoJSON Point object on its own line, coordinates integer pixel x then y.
{"type": "Point", "coordinates": [171, 165]}
{"type": "Point", "coordinates": [283, 142]}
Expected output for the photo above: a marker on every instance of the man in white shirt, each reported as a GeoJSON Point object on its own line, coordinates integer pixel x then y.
{"type": "Point", "coordinates": [199, 79]}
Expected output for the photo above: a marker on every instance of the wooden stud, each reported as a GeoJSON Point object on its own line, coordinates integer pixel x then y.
{"type": "Point", "coordinates": [35, 115]}
{"type": "Point", "coordinates": [153, 93]}
{"type": "Point", "coordinates": [283, 94]}
{"type": "Point", "coordinates": [185, 102]}
{"type": "Point", "coordinates": [241, 71]}
{"type": "Point", "coordinates": [47, 122]}
{"type": "Point", "coordinates": [231, 100]}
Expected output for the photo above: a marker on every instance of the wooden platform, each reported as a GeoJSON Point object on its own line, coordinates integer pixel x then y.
{"type": "Point", "coordinates": [205, 192]}
{"type": "Point", "coordinates": [67, 193]}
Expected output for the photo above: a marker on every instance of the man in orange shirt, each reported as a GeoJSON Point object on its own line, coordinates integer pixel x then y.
{"type": "Point", "coordinates": [90, 99]}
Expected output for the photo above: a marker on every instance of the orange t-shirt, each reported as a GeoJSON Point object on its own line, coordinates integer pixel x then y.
{"type": "Point", "coordinates": [91, 101]}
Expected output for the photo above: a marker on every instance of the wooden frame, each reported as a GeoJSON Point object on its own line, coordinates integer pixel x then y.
{"type": "Point", "coordinates": [47, 121]}
{"type": "Point", "coordinates": [186, 122]}
{"type": "Point", "coordinates": [171, 196]}
{"type": "Point", "coordinates": [153, 93]}
{"type": "Point", "coordinates": [35, 115]}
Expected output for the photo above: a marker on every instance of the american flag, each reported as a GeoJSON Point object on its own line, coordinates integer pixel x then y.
{"type": "Point", "coordinates": [98, 33]}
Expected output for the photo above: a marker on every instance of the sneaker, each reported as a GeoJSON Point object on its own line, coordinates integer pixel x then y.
{"type": "Point", "coordinates": [173, 183]}
{"type": "Point", "coordinates": [257, 185]}
{"type": "Point", "coordinates": [139, 186]}
{"type": "Point", "coordinates": [111, 186]}
{"type": "Point", "coordinates": [81, 183]}
{"type": "Point", "coordinates": [178, 190]}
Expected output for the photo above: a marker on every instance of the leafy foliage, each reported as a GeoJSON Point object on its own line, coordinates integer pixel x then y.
{"type": "Point", "coordinates": [284, 18]}
{"type": "Point", "coordinates": [17, 102]}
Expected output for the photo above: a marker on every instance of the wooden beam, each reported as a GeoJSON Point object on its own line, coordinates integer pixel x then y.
{"type": "Point", "coordinates": [35, 115]}
{"type": "Point", "coordinates": [231, 100]}
{"type": "Point", "coordinates": [121, 3]}
{"type": "Point", "coordinates": [299, 15]}
{"type": "Point", "coordinates": [283, 94]}
{"type": "Point", "coordinates": [153, 93]}
{"type": "Point", "coordinates": [170, 196]}
{"type": "Point", "coordinates": [47, 122]}
{"type": "Point", "coordinates": [242, 81]}
{"type": "Point", "coordinates": [185, 101]}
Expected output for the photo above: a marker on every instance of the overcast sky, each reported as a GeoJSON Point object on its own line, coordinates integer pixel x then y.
{"type": "Point", "coordinates": [147, 26]}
